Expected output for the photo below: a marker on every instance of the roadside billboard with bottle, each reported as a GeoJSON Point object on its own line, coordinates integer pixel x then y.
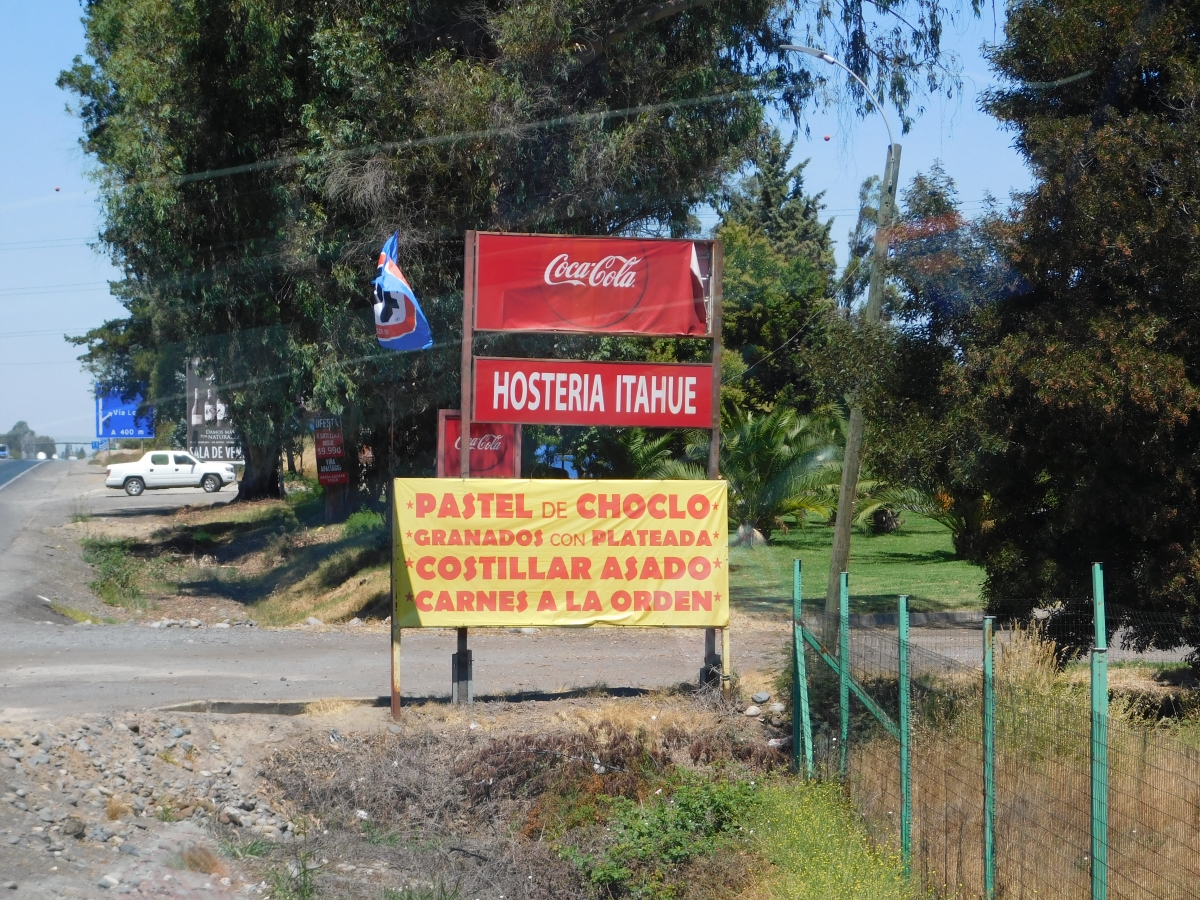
{"type": "Point", "coordinates": [211, 433]}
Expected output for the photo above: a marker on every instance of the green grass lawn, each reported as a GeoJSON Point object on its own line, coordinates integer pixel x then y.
{"type": "Point", "coordinates": [917, 560]}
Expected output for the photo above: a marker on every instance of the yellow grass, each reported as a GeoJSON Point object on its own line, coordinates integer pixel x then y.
{"type": "Point", "coordinates": [330, 707]}
{"type": "Point", "coordinates": [816, 849]}
{"type": "Point", "coordinates": [1043, 806]}
{"type": "Point", "coordinates": [116, 808]}
{"type": "Point", "coordinates": [71, 612]}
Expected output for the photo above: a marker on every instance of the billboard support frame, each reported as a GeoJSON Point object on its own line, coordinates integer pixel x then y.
{"type": "Point", "coordinates": [462, 688]}
{"type": "Point", "coordinates": [716, 664]}
{"type": "Point", "coordinates": [711, 659]}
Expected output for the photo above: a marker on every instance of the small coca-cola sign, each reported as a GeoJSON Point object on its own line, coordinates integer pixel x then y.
{"type": "Point", "coordinates": [491, 442]}
{"type": "Point", "coordinates": [495, 449]}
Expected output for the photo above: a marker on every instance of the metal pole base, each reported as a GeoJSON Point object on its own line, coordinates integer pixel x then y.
{"type": "Point", "coordinates": [710, 672]}
{"type": "Point", "coordinates": [462, 687]}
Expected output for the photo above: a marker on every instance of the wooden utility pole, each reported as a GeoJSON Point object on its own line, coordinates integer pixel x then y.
{"type": "Point", "coordinates": [852, 460]}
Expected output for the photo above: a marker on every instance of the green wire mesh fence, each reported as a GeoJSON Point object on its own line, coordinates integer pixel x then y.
{"type": "Point", "coordinates": [1081, 804]}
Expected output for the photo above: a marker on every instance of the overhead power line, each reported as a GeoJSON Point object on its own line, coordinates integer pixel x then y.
{"type": "Point", "coordinates": [17, 334]}
{"type": "Point", "coordinates": [45, 244]}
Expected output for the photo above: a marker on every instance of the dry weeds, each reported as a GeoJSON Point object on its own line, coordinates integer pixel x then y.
{"type": "Point", "coordinates": [330, 707]}
{"type": "Point", "coordinates": [482, 808]}
{"type": "Point", "coordinates": [200, 859]}
{"type": "Point", "coordinates": [115, 809]}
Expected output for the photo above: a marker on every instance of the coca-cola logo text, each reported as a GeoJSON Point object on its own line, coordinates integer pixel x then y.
{"type": "Point", "coordinates": [483, 442]}
{"type": "Point", "coordinates": [612, 271]}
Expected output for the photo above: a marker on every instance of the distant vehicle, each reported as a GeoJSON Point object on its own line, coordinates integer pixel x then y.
{"type": "Point", "coordinates": [162, 469]}
{"type": "Point", "coordinates": [41, 456]}
{"type": "Point", "coordinates": [3, 451]}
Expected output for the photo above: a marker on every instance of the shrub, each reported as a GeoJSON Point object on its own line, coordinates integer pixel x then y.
{"type": "Point", "coordinates": [116, 570]}
{"type": "Point", "coordinates": [651, 840]}
{"type": "Point", "coordinates": [362, 522]}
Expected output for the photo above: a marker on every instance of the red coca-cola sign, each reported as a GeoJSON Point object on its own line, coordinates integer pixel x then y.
{"type": "Point", "coordinates": [528, 282]}
{"type": "Point", "coordinates": [495, 449]}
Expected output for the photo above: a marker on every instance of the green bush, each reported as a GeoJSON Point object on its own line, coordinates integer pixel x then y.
{"type": "Point", "coordinates": [116, 570]}
{"type": "Point", "coordinates": [308, 504]}
{"type": "Point", "coordinates": [652, 839]}
{"type": "Point", "coordinates": [364, 521]}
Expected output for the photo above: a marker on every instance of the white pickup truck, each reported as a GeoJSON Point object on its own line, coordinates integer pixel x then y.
{"type": "Point", "coordinates": [168, 469]}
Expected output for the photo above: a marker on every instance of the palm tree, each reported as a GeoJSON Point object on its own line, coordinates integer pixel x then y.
{"type": "Point", "coordinates": [624, 453]}
{"type": "Point", "coordinates": [776, 464]}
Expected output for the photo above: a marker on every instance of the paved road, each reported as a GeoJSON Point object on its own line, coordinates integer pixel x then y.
{"type": "Point", "coordinates": [12, 469]}
{"type": "Point", "coordinates": [49, 664]}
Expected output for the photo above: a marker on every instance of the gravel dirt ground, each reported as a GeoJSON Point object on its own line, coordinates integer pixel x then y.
{"type": "Point", "coordinates": [173, 804]}
{"type": "Point", "coordinates": [83, 707]}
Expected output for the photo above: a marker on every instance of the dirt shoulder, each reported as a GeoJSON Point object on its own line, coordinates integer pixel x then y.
{"type": "Point", "coordinates": [519, 799]}
{"type": "Point", "coordinates": [273, 562]}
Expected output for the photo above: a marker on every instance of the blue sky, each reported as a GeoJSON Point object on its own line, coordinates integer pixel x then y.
{"type": "Point", "coordinates": [52, 282]}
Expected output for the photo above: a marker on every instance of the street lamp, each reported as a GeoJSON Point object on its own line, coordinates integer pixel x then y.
{"type": "Point", "coordinates": [852, 460]}
{"type": "Point", "coordinates": [825, 57]}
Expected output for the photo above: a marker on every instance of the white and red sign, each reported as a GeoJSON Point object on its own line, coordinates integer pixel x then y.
{"type": "Point", "coordinates": [530, 282]}
{"type": "Point", "coordinates": [328, 443]}
{"type": "Point", "coordinates": [332, 470]}
{"type": "Point", "coordinates": [566, 392]}
{"type": "Point", "coordinates": [495, 447]}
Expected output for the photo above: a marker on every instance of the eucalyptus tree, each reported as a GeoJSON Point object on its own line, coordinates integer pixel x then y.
{"type": "Point", "coordinates": [253, 155]}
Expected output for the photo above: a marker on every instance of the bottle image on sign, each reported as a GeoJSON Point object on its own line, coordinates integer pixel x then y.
{"type": "Point", "coordinates": [210, 408]}
{"type": "Point", "coordinates": [588, 284]}
{"type": "Point", "coordinates": [197, 410]}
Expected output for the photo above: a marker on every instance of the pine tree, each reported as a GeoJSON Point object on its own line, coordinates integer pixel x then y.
{"type": "Point", "coordinates": [778, 262]}
{"type": "Point", "coordinates": [1087, 382]}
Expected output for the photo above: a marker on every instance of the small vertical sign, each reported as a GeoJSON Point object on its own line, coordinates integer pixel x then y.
{"type": "Point", "coordinates": [330, 450]}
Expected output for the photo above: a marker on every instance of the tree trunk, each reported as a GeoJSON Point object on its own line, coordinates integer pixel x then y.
{"type": "Point", "coordinates": [260, 478]}
{"type": "Point", "coordinates": [852, 460]}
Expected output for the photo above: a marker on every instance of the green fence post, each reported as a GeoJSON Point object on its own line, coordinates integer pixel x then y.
{"type": "Point", "coordinates": [797, 653]}
{"type": "Point", "coordinates": [1099, 741]}
{"type": "Point", "coordinates": [801, 719]}
{"type": "Point", "coordinates": [844, 670]}
{"type": "Point", "coordinates": [905, 743]}
{"type": "Point", "coordinates": [989, 759]}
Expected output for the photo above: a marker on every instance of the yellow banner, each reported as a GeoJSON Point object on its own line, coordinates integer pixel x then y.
{"type": "Point", "coordinates": [513, 552]}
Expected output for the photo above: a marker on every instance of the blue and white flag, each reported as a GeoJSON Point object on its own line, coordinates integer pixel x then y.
{"type": "Point", "coordinates": [399, 322]}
